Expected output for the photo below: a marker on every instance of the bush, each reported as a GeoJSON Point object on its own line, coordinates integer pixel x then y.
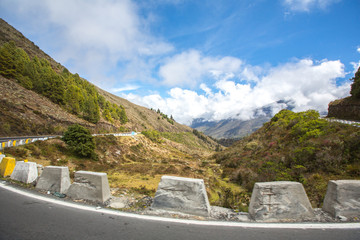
{"type": "Point", "coordinates": [80, 141]}
{"type": "Point", "coordinates": [153, 135]}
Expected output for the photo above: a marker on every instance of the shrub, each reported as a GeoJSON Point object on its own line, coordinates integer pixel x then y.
{"type": "Point", "coordinates": [153, 135]}
{"type": "Point", "coordinates": [80, 141]}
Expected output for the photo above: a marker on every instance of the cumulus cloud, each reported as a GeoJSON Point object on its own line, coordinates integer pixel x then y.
{"type": "Point", "coordinates": [188, 68]}
{"type": "Point", "coordinates": [94, 37]}
{"type": "Point", "coordinates": [307, 84]}
{"type": "Point", "coordinates": [307, 5]}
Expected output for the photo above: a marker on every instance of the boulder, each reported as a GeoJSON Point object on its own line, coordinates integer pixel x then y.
{"type": "Point", "coordinates": [185, 195]}
{"type": "Point", "coordinates": [7, 166]}
{"type": "Point", "coordinates": [280, 201]}
{"type": "Point", "coordinates": [54, 179]}
{"type": "Point", "coordinates": [25, 172]}
{"type": "Point", "coordinates": [342, 198]}
{"type": "Point", "coordinates": [91, 186]}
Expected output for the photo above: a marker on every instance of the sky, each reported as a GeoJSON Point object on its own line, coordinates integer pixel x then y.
{"type": "Point", "coordinates": [205, 59]}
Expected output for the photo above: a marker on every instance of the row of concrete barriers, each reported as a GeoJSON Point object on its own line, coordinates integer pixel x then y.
{"type": "Point", "coordinates": [270, 201]}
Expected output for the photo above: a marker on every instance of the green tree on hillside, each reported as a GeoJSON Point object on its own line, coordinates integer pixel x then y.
{"type": "Point", "coordinates": [70, 91]}
{"type": "Point", "coordinates": [355, 86]}
{"type": "Point", "coordinates": [80, 141]}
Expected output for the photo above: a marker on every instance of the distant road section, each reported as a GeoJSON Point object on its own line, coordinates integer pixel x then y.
{"type": "Point", "coordinates": [17, 141]}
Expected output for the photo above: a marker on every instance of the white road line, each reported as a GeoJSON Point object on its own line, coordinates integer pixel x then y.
{"type": "Point", "coordinates": [183, 221]}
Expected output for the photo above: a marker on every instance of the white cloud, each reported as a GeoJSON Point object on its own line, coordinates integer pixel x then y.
{"type": "Point", "coordinates": [358, 49]}
{"type": "Point", "coordinates": [94, 37]}
{"type": "Point", "coordinates": [307, 5]}
{"type": "Point", "coordinates": [190, 67]}
{"type": "Point", "coordinates": [355, 65]}
{"type": "Point", "coordinates": [307, 84]}
{"type": "Point", "coordinates": [127, 87]}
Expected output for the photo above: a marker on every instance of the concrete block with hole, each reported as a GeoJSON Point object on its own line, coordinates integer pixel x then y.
{"type": "Point", "coordinates": [25, 172]}
{"type": "Point", "coordinates": [186, 195]}
{"type": "Point", "coordinates": [54, 179]}
{"type": "Point", "coordinates": [280, 201]}
{"type": "Point", "coordinates": [91, 186]}
{"type": "Point", "coordinates": [342, 198]}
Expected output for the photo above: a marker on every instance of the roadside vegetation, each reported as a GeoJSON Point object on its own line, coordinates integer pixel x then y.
{"type": "Point", "coordinates": [135, 164]}
{"type": "Point", "coordinates": [295, 147]}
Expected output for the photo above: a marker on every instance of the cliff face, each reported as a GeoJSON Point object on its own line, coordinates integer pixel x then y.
{"type": "Point", "coordinates": [346, 108]}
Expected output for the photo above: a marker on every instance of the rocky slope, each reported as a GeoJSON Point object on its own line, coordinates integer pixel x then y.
{"type": "Point", "coordinates": [346, 108]}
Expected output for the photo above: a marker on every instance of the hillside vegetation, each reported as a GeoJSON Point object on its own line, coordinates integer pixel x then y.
{"type": "Point", "coordinates": [73, 99]}
{"type": "Point", "coordinates": [295, 147]}
{"type": "Point", "coordinates": [135, 164]}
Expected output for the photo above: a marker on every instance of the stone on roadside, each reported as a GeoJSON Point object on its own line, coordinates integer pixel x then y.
{"type": "Point", "coordinates": [91, 186]}
{"type": "Point", "coordinates": [7, 166]}
{"type": "Point", "coordinates": [342, 199]}
{"type": "Point", "coordinates": [280, 201]}
{"type": "Point", "coordinates": [54, 179]}
{"type": "Point", "coordinates": [119, 202]}
{"type": "Point", "coordinates": [25, 172]}
{"type": "Point", "coordinates": [185, 195]}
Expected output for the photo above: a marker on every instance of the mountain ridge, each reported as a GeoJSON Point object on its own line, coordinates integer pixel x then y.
{"type": "Point", "coordinates": [236, 128]}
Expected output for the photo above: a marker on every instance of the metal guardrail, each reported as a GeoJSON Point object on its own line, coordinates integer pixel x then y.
{"type": "Point", "coordinates": [348, 122]}
{"type": "Point", "coordinates": [18, 141]}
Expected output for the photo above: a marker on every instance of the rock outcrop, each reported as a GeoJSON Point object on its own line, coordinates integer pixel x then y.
{"type": "Point", "coordinates": [346, 108]}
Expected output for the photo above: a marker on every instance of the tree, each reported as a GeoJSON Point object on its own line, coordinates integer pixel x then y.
{"type": "Point", "coordinates": [355, 86]}
{"type": "Point", "coordinates": [80, 141]}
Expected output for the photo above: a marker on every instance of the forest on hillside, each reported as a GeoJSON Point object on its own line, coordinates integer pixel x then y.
{"type": "Point", "coordinates": [68, 90]}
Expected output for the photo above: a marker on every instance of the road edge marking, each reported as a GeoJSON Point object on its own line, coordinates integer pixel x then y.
{"type": "Point", "coordinates": [304, 226]}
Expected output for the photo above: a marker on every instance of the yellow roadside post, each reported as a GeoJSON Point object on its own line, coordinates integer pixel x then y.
{"type": "Point", "coordinates": [7, 166]}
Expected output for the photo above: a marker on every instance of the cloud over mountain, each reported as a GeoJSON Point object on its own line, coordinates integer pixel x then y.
{"type": "Point", "coordinates": [308, 84]}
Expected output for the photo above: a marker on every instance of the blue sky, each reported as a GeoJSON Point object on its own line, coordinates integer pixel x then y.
{"type": "Point", "coordinates": [201, 59]}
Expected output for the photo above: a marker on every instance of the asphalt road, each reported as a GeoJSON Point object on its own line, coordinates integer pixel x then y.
{"type": "Point", "coordinates": [30, 217]}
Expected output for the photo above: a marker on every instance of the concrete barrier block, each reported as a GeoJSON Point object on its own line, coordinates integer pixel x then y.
{"type": "Point", "coordinates": [1, 157]}
{"type": "Point", "coordinates": [7, 166]}
{"type": "Point", "coordinates": [185, 195]}
{"type": "Point", "coordinates": [25, 172]}
{"type": "Point", "coordinates": [280, 201]}
{"type": "Point", "coordinates": [54, 179]}
{"type": "Point", "coordinates": [91, 186]}
{"type": "Point", "coordinates": [343, 198]}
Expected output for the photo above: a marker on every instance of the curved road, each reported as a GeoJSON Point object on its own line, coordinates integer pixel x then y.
{"type": "Point", "coordinates": [27, 215]}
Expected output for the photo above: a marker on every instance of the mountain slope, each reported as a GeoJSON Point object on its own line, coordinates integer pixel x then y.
{"type": "Point", "coordinates": [236, 128]}
{"type": "Point", "coordinates": [138, 118]}
{"type": "Point", "coordinates": [229, 128]}
{"type": "Point", "coordinates": [295, 147]}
